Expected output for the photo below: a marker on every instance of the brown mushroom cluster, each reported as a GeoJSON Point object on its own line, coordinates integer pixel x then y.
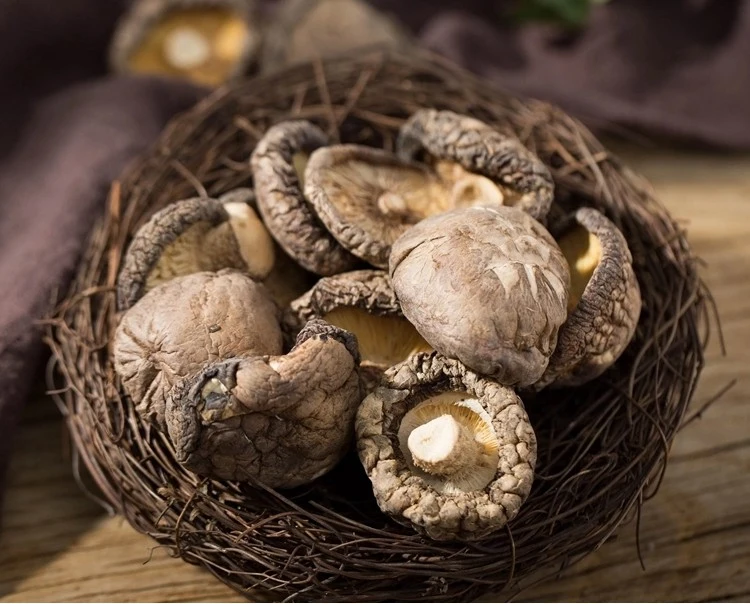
{"type": "Point", "coordinates": [399, 304]}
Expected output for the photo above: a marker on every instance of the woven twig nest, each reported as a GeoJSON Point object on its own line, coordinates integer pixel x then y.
{"type": "Point", "coordinates": [602, 447]}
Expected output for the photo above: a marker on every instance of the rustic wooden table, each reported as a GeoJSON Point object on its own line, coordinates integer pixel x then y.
{"type": "Point", "coordinates": [56, 545]}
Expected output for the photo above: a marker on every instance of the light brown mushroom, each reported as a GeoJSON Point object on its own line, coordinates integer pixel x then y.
{"type": "Point", "coordinates": [459, 146]}
{"type": "Point", "coordinates": [305, 30]}
{"type": "Point", "coordinates": [279, 162]}
{"type": "Point", "coordinates": [367, 197]}
{"type": "Point", "coordinates": [181, 325]}
{"type": "Point", "coordinates": [207, 42]}
{"type": "Point", "coordinates": [363, 303]}
{"type": "Point", "coordinates": [604, 304]}
{"type": "Point", "coordinates": [485, 285]}
{"type": "Point", "coordinates": [448, 452]}
{"type": "Point", "coordinates": [282, 420]}
{"type": "Point", "coordinates": [193, 235]}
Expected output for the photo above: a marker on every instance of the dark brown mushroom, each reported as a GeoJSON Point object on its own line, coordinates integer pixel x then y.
{"type": "Point", "coordinates": [363, 303]}
{"type": "Point", "coordinates": [304, 30]}
{"type": "Point", "coordinates": [457, 144]}
{"type": "Point", "coordinates": [448, 452]}
{"type": "Point", "coordinates": [204, 41]}
{"type": "Point", "coordinates": [367, 197]}
{"type": "Point", "coordinates": [278, 164]}
{"type": "Point", "coordinates": [194, 235]}
{"type": "Point", "coordinates": [485, 285]}
{"type": "Point", "coordinates": [604, 304]}
{"type": "Point", "coordinates": [282, 420]}
{"type": "Point", "coordinates": [181, 325]}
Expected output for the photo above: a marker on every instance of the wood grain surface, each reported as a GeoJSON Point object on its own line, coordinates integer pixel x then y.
{"type": "Point", "coordinates": [56, 545]}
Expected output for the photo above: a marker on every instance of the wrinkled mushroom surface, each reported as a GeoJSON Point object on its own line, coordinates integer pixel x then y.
{"type": "Point", "coordinates": [205, 41]}
{"type": "Point", "coordinates": [605, 301]}
{"type": "Point", "coordinates": [278, 165]}
{"type": "Point", "coordinates": [363, 303]}
{"type": "Point", "coordinates": [367, 197]}
{"type": "Point", "coordinates": [459, 144]}
{"type": "Point", "coordinates": [284, 420]}
{"type": "Point", "coordinates": [194, 235]}
{"type": "Point", "coordinates": [181, 325]}
{"type": "Point", "coordinates": [305, 30]}
{"type": "Point", "coordinates": [485, 285]}
{"type": "Point", "coordinates": [448, 452]}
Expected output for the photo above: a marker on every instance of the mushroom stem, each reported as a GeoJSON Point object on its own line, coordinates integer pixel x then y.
{"type": "Point", "coordinates": [443, 446]}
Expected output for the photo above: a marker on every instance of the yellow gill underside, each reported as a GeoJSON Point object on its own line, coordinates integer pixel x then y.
{"type": "Point", "coordinates": [583, 251]}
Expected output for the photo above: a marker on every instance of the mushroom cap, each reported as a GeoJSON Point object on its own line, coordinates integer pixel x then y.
{"type": "Point", "coordinates": [184, 323]}
{"type": "Point", "coordinates": [282, 420]}
{"type": "Point", "coordinates": [367, 197]}
{"type": "Point", "coordinates": [413, 497]}
{"type": "Point", "coordinates": [193, 235]}
{"type": "Point", "coordinates": [304, 30]}
{"type": "Point", "coordinates": [485, 285]}
{"type": "Point", "coordinates": [607, 301]}
{"type": "Point", "coordinates": [278, 165]}
{"type": "Point", "coordinates": [363, 303]}
{"type": "Point", "coordinates": [205, 41]}
{"type": "Point", "coordinates": [479, 148]}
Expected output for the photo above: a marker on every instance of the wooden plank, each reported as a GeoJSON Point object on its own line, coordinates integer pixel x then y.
{"type": "Point", "coordinates": [56, 545]}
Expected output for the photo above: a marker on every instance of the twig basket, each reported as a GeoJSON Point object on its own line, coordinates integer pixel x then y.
{"type": "Point", "coordinates": [602, 447]}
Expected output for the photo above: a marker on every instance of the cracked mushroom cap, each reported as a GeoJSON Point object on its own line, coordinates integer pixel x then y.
{"type": "Point", "coordinates": [194, 235]}
{"type": "Point", "coordinates": [278, 164]}
{"type": "Point", "coordinates": [304, 30]}
{"type": "Point", "coordinates": [485, 285]}
{"type": "Point", "coordinates": [367, 198]}
{"type": "Point", "coordinates": [363, 303]}
{"type": "Point", "coordinates": [460, 146]}
{"type": "Point", "coordinates": [448, 452]}
{"type": "Point", "coordinates": [283, 420]}
{"type": "Point", "coordinates": [207, 42]}
{"type": "Point", "coordinates": [604, 304]}
{"type": "Point", "coordinates": [181, 325]}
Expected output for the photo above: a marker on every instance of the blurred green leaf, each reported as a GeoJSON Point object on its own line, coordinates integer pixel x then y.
{"type": "Point", "coordinates": [572, 13]}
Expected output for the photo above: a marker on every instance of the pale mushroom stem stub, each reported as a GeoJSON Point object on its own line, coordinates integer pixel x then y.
{"type": "Point", "coordinates": [445, 136]}
{"type": "Point", "coordinates": [448, 452]}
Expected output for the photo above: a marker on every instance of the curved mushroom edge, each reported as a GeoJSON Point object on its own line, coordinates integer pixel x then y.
{"type": "Point", "coordinates": [403, 494]}
{"type": "Point", "coordinates": [486, 285]}
{"type": "Point", "coordinates": [281, 420]}
{"type": "Point", "coordinates": [292, 15]}
{"type": "Point", "coordinates": [354, 236]}
{"type": "Point", "coordinates": [143, 15]}
{"type": "Point", "coordinates": [182, 324]}
{"type": "Point", "coordinates": [282, 203]}
{"type": "Point", "coordinates": [368, 289]}
{"type": "Point", "coordinates": [155, 236]}
{"type": "Point", "coordinates": [481, 149]}
{"type": "Point", "coordinates": [604, 321]}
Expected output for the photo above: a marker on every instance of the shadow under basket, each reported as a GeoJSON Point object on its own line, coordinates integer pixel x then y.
{"type": "Point", "coordinates": [602, 447]}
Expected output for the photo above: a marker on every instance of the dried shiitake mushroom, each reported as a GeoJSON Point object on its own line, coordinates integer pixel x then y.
{"type": "Point", "coordinates": [304, 30]}
{"type": "Point", "coordinates": [485, 285]}
{"type": "Point", "coordinates": [283, 420]}
{"type": "Point", "coordinates": [604, 304]}
{"type": "Point", "coordinates": [193, 235]}
{"type": "Point", "coordinates": [447, 451]}
{"type": "Point", "coordinates": [367, 197]}
{"type": "Point", "coordinates": [204, 41]}
{"type": "Point", "coordinates": [363, 303]}
{"type": "Point", "coordinates": [461, 147]}
{"type": "Point", "coordinates": [181, 325]}
{"type": "Point", "coordinates": [278, 164]}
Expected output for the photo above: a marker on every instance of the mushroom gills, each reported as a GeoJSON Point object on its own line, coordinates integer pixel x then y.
{"type": "Point", "coordinates": [583, 251]}
{"type": "Point", "coordinates": [180, 257]}
{"type": "Point", "coordinates": [466, 188]}
{"type": "Point", "coordinates": [204, 43]}
{"type": "Point", "coordinates": [299, 161]}
{"type": "Point", "coordinates": [383, 341]}
{"type": "Point", "coordinates": [448, 440]}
